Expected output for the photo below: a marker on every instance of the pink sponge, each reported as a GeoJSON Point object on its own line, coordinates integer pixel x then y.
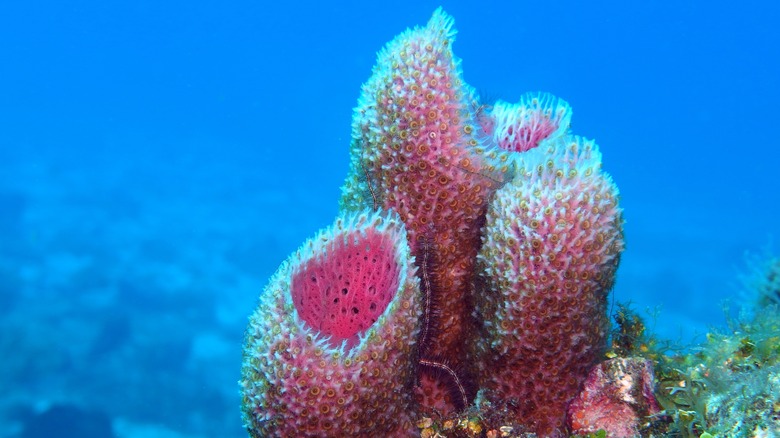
{"type": "Point", "coordinates": [616, 397]}
{"type": "Point", "coordinates": [417, 150]}
{"type": "Point", "coordinates": [552, 241]}
{"type": "Point", "coordinates": [331, 349]}
{"type": "Point", "coordinates": [522, 126]}
{"type": "Point", "coordinates": [343, 293]}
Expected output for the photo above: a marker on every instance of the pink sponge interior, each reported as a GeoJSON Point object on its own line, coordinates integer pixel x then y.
{"type": "Point", "coordinates": [345, 289]}
{"type": "Point", "coordinates": [527, 133]}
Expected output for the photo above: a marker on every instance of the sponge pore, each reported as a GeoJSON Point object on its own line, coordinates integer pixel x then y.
{"type": "Point", "coordinates": [344, 291]}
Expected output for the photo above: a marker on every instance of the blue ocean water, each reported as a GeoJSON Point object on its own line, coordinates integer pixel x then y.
{"type": "Point", "coordinates": [158, 160]}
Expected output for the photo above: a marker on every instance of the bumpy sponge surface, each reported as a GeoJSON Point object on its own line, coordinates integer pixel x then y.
{"type": "Point", "coordinates": [330, 350]}
{"type": "Point", "coordinates": [417, 150]}
{"type": "Point", "coordinates": [551, 247]}
{"type": "Point", "coordinates": [522, 126]}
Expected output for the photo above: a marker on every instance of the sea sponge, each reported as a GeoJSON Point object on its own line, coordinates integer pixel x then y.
{"type": "Point", "coordinates": [522, 126]}
{"type": "Point", "coordinates": [417, 150]}
{"type": "Point", "coordinates": [331, 348]}
{"type": "Point", "coordinates": [551, 247]}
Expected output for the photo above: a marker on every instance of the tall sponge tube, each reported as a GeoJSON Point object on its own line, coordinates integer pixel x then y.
{"type": "Point", "coordinates": [551, 246]}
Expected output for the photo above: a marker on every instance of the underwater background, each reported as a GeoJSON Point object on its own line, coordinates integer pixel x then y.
{"type": "Point", "coordinates": [159, 160]}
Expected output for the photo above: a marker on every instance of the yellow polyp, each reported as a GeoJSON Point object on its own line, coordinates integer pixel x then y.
{"type": "Point", "coordinates": [468, 129]}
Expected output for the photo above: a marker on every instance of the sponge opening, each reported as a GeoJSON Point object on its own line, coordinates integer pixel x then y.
{"type": "Point", "coordinates": [344, 289]}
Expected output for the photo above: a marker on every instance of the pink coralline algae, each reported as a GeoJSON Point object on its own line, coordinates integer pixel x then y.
{"type": "Point", "coordinates": [616, 396]}
{"type": "Point", "coordinates": [475, 254]}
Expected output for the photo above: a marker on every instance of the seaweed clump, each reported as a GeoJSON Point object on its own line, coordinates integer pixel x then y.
{"type": "Point", "coordinates": [729, 385]}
